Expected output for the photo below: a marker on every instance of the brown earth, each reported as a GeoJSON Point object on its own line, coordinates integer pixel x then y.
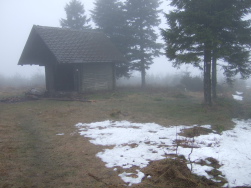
{"type": "Point", "coordinates": [33, 155]}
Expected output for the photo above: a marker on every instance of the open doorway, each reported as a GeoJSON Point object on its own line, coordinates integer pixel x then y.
{"type": "Point", "coordinates": [64, 77]}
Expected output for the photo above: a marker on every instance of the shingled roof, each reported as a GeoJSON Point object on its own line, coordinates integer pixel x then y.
{"type": "Point", "coordinates": [68, 46]}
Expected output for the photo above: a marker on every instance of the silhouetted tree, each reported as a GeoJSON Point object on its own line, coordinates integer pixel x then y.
{"type": "Point", "coordinates": [109, 16]}
{"type": "Point", "coordinates": [208, 30]}
{"type": "Point", "coordinates": [131, 26]}
{"type": "Point", "coordinates": [75, 16]}
{"type": "Point", "coordinates": [142, 19]}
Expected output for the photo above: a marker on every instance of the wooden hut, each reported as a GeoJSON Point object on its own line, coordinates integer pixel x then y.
{"type": "Point", "coordinates": [74, 60]}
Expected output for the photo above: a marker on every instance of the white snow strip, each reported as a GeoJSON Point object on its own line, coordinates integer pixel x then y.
{"type": "Point", "coordinates": [60, 134]}
{"type": "Point", "coordinates": [239, 92]}
{"type": "Point", "coordinates": [206, 126]}
{"type": "Point", "coordinates": [137, 144]}
{"type": "Point", "coordinates": [237, 97]}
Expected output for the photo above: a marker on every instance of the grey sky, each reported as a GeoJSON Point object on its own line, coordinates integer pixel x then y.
{"type": "Point", "coordinates": [17, 18]}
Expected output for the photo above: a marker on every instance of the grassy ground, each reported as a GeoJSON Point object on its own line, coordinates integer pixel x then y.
{"type": "Point", "coordinates": [33, 155]}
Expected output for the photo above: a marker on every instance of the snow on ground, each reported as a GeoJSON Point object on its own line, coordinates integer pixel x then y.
{"type": "Point", "coordinates": [60, 134]}
{"type": "Point", "coordinates": [239, 92]}
{"type": "Point", "coordinates": [238, 96]}
{"type": "Point", "coordinates": [136, 144]}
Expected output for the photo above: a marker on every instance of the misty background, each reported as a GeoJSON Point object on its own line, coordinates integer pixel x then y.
{"type": "Point", "coordinates": [17, 19]}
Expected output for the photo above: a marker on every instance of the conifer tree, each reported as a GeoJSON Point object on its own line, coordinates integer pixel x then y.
{"type": "Point", "coordinates": [143, 18]}
{"type": "Point", "coordinates": [131, 26]}
{"type": "Point", "coordinates": [75, 16]}
{"type": "Point", "coordinates": [207, 31]}
{"type": "Point", "coordinates": [109, 16]}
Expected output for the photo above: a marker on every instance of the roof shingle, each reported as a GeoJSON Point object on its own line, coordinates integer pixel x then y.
{"type": "Point", "coordinates": [74, 46]}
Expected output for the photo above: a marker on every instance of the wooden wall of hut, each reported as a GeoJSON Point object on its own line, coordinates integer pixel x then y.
{"type": "Point", "coordinates": [97, 76]}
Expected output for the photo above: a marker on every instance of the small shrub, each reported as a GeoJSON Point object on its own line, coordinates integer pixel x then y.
{"type": "Point", "coordinates": [192, 83]}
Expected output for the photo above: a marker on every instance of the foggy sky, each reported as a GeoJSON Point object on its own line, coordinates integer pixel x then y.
{"type": "Point", "coordinates": [17, 18]}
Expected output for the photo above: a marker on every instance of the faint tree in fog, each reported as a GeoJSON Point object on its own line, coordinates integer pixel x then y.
{"type": "Point", "coordinates": [131, 26]}
{"type": "Point", "coordinates": [142, 18]}
{"type": "Point", "coordinates": [109, 16]}
{"type": "Point", "coordinates": [75, 16]}
{"type": "Point", "coordinates": [208, 30]}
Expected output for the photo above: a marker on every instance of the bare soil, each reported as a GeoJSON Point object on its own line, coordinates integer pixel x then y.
{"type": "Point", "coordinates": [33, 155]}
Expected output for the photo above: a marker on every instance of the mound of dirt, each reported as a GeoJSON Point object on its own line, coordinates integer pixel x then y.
{"type": "Point", "coordinates": [174, 173]}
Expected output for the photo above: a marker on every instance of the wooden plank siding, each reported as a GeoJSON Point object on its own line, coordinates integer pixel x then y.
{"type": "Point", "coordinates": [80, 77]}
{"type": "Point", "coordinates": [97, 76]}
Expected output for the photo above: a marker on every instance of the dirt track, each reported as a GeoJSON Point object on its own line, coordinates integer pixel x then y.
{"type": "Point", "coordinates": [33, 155]}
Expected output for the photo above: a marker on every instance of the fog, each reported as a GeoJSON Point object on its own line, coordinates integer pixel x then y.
{"type": "Point", "coordinates": [18, 81]}
{"type": "Point", "coordinates": [17, 19]}
{"type": "Point", "coordinates": [181, 82]}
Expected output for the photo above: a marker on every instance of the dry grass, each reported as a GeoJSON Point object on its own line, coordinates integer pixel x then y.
{"type": "Point", "coordinates": [33, 155]}
{"type": "Point", "coordinates": [174, 173]}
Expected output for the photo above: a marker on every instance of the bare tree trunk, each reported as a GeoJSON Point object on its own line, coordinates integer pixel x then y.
{"type": "Point", "coordinates": [143, 75]}
{"type": "Point", "coordinates": [207, 76]}
{"type": "Point", "coordinates": [142, 59]}
{"type": "Point", "coordinates": [214, 77]}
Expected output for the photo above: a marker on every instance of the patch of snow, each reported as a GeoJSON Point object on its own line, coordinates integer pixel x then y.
{"type": "Point", "coordinates": [206, 126]}
{"type": "Point", "coordinates": [239, 93]}
{"type": "Point", "coordinates": [132, 178]}
{"type": "Point", "coordinates": [60, 134]}
{"type": "Point", "coordinates": [201, 170]}
{"type": "Point", "coordinates": [149, 176]}
{"type": "Point", "coordinates": [137, 144]}
{"type": "Point", "coordinates": [235, 153]}
{"type": "Point", "coordinates": [237, 97]}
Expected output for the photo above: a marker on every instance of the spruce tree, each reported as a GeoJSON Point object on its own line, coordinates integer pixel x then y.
{"type": "Point", "coordinates": [109, 16]}
{"type": "Point", "coordinates": [75, 16]}
{"type": "Point", "coordinates": [143, 18]}
{"type": "Point", "coordinates": [207, 31]}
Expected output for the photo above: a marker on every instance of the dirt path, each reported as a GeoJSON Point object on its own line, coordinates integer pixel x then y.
{"type": "Point", "coordinates": [33, 155]}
